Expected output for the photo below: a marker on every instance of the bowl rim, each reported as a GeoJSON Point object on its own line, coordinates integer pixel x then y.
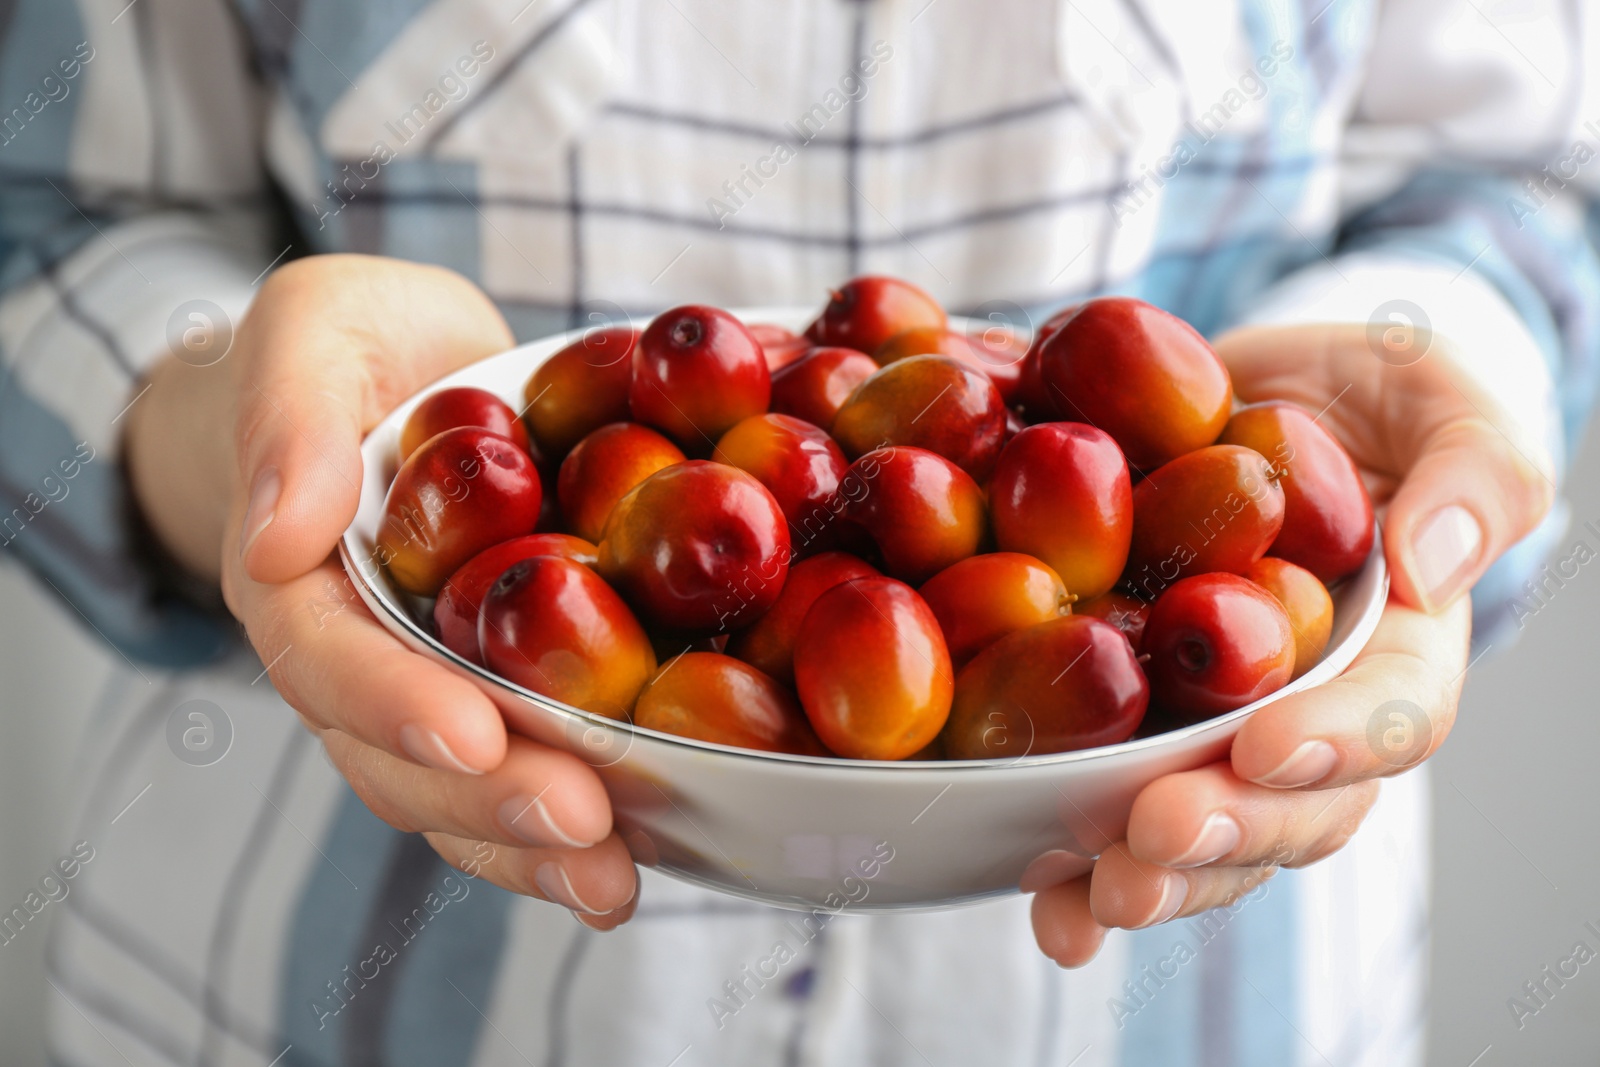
{"type": "Point", "coordinates": [376, 598]}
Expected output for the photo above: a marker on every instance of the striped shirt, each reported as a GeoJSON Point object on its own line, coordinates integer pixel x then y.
{"type": "Point", "coordinates": [592, 160]}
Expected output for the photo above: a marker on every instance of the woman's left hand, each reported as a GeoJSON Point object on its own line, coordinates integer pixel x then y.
{"type": "Point", "coordinates": [1460, 483]}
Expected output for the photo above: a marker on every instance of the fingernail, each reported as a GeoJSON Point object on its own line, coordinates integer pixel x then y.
{"type": "Point", "coordinates": [552, 880]}
{"type": "Point", "coordinates": [530, 820]}
{"type": "Point", "coordinates": [1443, 551]}
{"type": "Point", "coordinates": [428, 748]}
{"type": "Point", "coordinates": [1311, 762]}
{"type": "Point", "coordinates": [603, 923]}
{"type": "Point", "coordinates": [1174, 891]}
{"type": "Point", "coordinates": [1219, 836]}
{"type": "Point", "coordinates": [263, 505]}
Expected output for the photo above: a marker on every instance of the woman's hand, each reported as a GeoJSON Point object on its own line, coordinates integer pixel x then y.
{"type": "Point", "coordinates": [250, 470]}
{"type": "Point", "coordinates": [1460, 483]}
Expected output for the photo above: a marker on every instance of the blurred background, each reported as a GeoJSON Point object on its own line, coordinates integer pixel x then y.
{"type": "Point", "coordinates": [1516, 790]}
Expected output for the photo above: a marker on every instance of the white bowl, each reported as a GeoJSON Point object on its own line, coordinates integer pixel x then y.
{"type": "Point", "coordinates": [806, 832]}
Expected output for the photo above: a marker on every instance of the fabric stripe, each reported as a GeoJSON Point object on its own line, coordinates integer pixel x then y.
{"type": "Point", "coordinates": [443, 992]}
{"type": "Point", "coordinates": [325, 931]}
{"type": "Point", "coordinates": [105, 1010]}
{"type": "Point", "coordinates": [852, 151]}
{"type": "Point", "coordinates": [412, 866]}
{"type": "Point", "coordinates": [1043, 108]}
{"type": "Point", "coordinates": [1219, 966]}
{"type": "Point", "coordinates": [1265, 981]}
{"type": "Point", "coordinates": [575, 211]}
{"type": "Point", "coordinates": [436, 132]}
{"type": "Point", "coordinates": [1164, 1017]}
{"type": "Point", "coordinates": [558, 1008]}
{"type": "Point", "coordinates": [608, 209]}
{"type": "Point", "coordinates": [75, 311]}
{"type": "Point", "coordinates": [236, 895]}
{"type": "Point", "coordinates": [165, 969]}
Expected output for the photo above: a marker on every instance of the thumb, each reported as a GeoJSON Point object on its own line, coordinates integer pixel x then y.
{"type": "Point", "coordinates": [331, 345]}
{"type": "Point", "coordinates": [1478, 484]}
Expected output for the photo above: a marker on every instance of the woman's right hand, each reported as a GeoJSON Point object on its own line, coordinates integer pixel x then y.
{"type": "Point", "coordinates": [249, 471]}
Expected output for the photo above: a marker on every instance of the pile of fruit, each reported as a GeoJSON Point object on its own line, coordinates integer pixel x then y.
{"type": "Point", "coordinates": [884, 539]}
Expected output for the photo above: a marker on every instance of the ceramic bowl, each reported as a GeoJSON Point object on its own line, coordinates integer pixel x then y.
{"type": "Point", "coordinates": [806, 832]}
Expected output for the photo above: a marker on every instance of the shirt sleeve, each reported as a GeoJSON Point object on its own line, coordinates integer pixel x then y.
{"type": "Point", "coordinates": [1468, 208]}
{"type": "Point", "coordinates": [132, 216]}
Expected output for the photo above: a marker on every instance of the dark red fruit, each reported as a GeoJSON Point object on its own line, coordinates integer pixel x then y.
{"type": "Point", "coordinates": [1327, 517]}
{"type": "Point", "coordinates": [865, 312]}
{"type": "Point", "coordinates": [461, 492]}
{"type": "Point", "coordinates": [696, 372]}
{"type": "Point", "coordinates": [580, 389]}
{"type": "Point", "coordinates": [817, 384]}
{"type": "Point", "coordinates": [1217, 509]}
{"type": "Point", "coordinates": [552, 626]}
{"type": "Point", "coordinates": [699, 548]}
{"type": "Point", "coordinates": [931, 402]}
{"type": "Point", "coordinates": [769, 643]}
{"type": "Point", "coordinates": [798, 463]}
{"type": "Point", "coordinates": [449, 409]}
{"type": "Point", "coordinates": [1060, 686]}
{"type": "Point", "coordinates": [455, 613]}
{"type": "Point", "coordinates": [1143, 376]}
{"type": "Point", "coordinates": [1216, 642]}
{"type": "Point", "coordinates": [1061, 492]}
{"type": "Point", "coordinates": [923, 512]}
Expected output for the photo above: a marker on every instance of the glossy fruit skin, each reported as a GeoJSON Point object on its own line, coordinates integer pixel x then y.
{"type": "Point", "coordinates": [983, 598]}
{"type": "Point", "coordinates": [798, 463]}
{"type": "Point", "coordinates": [1327, 519]}
{"type": "Point", "coordinates": [1066, 684]}
{"type": "Point", "coordinates": [921, 511]}
{"type": "Point", "coordinates": [994, 352]}
{"type": "Point", "coordinates": [931, 402]}
{"type": "Point", "coordinates": [449, 409]}
{"type": "Point", "coordinates": [872, 670]}
{"type": "Point", "coordinates": [716, 698]}
{"type": "Point", "coordinates": [1061, 492]}
{"type": "Point", "coordinates": [696, 372]}
{"type": "Point", "coordinates": [461, 492]}
{"type": "Point", "coordinates": [552, 626]}
{"type": "Point", "coordinates": [865, 312]}
{"type": "Point", "coordinates": [781, 346]}
{"type": "Point", "coordinates": [580, 389]}
{"type": "Point", "coordinates": [603, 467]}
{"type": "Point", "coordinates": [1127, 613]}
{"type": "Point", "coordinates": [1032, 393]}
{"type": "Point", "coordinates": [1305, 600]}
{"type": "Point", "coordinates": [1216, 509]}
{"type": "Point", "coordinates": [1216, 642]}
{"type": "Point", "coordinates": [768, 644]}
{"type": "Point", "coordinates": [700, 548]}
{"type": "Point", "coordinates": [1143, 376]}
{"type": "Point", "coordinates": [817, 384]}
{"type": "Point", "coordinates": [455, 613]}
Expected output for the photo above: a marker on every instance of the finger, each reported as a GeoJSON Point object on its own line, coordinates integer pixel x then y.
{"type": "Point", "coordinates": [1471, 495]}
{"type": "Point", "coordinates": [599, 885]}
{"type": "Point", "coordinates": [1131, 894]}
{"type": "Point", "coordinates": [335, 342]}
{"type": "Point", "coordinates": [1471, 481]}
{"type": "Point", "coordinates": [1389, 711]}
{"type": "Point", "coordinates": [1209, 817]}
{"type": "Point", "coordinates": [1063, 924]}
{"type": "Point", "coordinates": [536, 796]}
{"type": "Point", "coordinates": [328, 657]}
